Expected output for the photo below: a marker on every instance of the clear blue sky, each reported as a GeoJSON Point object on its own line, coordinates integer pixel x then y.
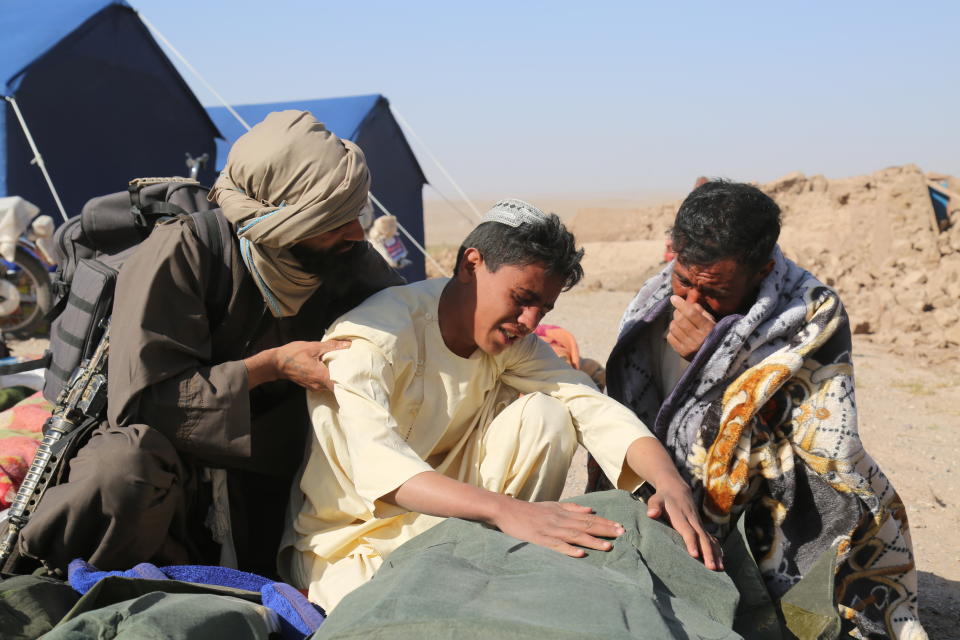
{"type": "Point", "coordinates": [607, 98]}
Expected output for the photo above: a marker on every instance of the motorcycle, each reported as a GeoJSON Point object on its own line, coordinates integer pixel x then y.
{"type": "Point", "coordinates": [26, 259]}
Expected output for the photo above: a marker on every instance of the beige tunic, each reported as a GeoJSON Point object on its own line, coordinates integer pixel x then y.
{"type": "Point", "coordinates": [403, 404]}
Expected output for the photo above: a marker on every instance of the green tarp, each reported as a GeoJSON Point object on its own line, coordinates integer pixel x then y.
{"type": "Point", "coordinates": [172, 616]}
{"type": "Point", "coordinates": [464, 580]}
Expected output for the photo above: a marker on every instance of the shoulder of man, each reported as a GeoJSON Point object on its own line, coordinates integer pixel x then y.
{"type": "Point", "coordinates": [175, 246]}
{"type": "Point", "coordinates": [169, 241]}
{"type": "Point", "coordinates": [392, 319]}
{"type": "Point", "coordinates": [653, 292]}
{"type": "Point", "coordinates": [173, 233]}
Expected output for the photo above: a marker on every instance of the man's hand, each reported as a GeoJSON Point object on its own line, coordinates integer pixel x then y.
{"type": "Point", "coordinates": [557, 526]}
{"type": "Point", "coordinates": [676, 501]}
{"type": "Point", "coordinates": [649, 460]}
{"type": "Point", "coordinates": [690, 326]}
{"type": "Point", "coordinates": [299, 362]}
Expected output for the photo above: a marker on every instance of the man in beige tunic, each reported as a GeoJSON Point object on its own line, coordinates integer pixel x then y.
{"type": "Point", "coordinates": [424, 422]}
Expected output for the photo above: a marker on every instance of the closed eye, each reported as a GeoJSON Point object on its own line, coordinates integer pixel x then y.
{"type": "Point", "coordinates": [526, 298]}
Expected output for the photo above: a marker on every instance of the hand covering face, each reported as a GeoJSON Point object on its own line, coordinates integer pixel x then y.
{"type": "Point", "coordinates": [286, 180]}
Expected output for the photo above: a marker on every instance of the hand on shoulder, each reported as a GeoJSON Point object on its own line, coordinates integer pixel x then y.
{"type": "Point", "coordinates": [300, 362]}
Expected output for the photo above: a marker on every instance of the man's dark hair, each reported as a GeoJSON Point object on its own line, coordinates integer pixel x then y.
{"type": "Point", "coordinates": [722, 219]}
{"type": "Point", "coordinates": [547, 243]}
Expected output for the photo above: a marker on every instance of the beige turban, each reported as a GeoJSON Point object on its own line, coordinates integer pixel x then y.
{"type": "Point", "coordinates": [286, 180]}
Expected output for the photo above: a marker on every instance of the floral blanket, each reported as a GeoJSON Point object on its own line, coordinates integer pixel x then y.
{"type": "Point", "coordinates": [20, 435]}
{"type": "Point", "coordinates": [763, 424]}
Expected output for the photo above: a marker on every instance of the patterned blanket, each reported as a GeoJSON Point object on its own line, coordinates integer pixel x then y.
{"type": "Point", "coordinates": [763, 424]}
{"type": "Point", "coordinates": [20, 435]}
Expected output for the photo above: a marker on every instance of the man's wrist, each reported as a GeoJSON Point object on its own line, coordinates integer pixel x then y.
{"type": "Point", "coordinates": [647, 457]}
{"type": "Point", "coordinates": [262, 367]}
{"type": "Point", "coordinates": [272, 363]}
{"type": "Point", "coordinates": [665, 479]}
{"type": "Point", "coordinates": [492, 507]}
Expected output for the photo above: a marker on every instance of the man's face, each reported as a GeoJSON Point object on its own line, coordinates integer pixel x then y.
{"type": "Point", "coordinates": [510, 302]}
{"type": "Point", "coordinates": [722, 288]}
{"type": "Point", "coordinates": [333, 252]}
{"type": "Point", "coordinates": [337, 240]}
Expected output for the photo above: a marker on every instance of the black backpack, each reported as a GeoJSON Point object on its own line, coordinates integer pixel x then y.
{"type": "Point", "coordinates": [92, 248]}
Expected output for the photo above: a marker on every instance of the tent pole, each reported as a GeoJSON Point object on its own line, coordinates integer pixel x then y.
{"type": "Point", "coordinates": [410, 237]}
{"type": "Point", "coordinates": [192, 69]}
{"type": "Point", "coordinates": [37, 158]}
{"type": "Point", "coordinates": [406, 124]}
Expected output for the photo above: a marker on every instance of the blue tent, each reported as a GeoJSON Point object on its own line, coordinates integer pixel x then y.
{"type": "Point", "coordinates": [397, 180]}
{"type": "Point", "coordinates": [102, 101]}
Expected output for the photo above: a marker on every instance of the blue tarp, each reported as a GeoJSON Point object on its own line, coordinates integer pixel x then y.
{"type": "Point", "coordinates": [103, 102]}
{"type": "Point", "coordinates": [397, 180]}
{"type": "Point", "coordinates": [941, 208]}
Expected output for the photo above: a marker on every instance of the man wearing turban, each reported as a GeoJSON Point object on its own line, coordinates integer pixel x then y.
{"type": "Point", "coordinates": [206, 417]}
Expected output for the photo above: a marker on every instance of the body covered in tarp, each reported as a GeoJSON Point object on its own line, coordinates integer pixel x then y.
{"type": "Point", "coordinates": [464, 580]}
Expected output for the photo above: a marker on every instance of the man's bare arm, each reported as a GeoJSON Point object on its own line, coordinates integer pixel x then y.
{"type": "Point", "coordinates": [555, 525]}
{"type": "Point", "coordinates": [649, 460]}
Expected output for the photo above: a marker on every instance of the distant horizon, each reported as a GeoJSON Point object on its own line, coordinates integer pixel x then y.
{"type": "Point", "coordinates": [652, 196]}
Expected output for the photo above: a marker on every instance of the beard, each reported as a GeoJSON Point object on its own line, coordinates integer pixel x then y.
{"type": "Point", "coordinates": [337, 262]}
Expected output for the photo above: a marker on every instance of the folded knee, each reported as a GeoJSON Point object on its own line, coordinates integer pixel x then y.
{"type": "Point", "coordinates": [127, 465]}
{"type": "Point", "coordinates": [551, 420]}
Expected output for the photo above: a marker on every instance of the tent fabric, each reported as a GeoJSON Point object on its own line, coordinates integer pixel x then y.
{"type": "Point", "coordinates": [103, 102]}
{"type": "Point", "coordinates": [105, 105]}
{"type": "Point", "coordinates": [21, 47]}
{"type": "Point", "coordinates": [397, 179]}
{"type": "Point", "coordinates": [343, 116]}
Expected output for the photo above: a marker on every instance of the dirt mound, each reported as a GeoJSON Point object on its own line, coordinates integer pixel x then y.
{"type": "Point", "coordinates": [874, 238]}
